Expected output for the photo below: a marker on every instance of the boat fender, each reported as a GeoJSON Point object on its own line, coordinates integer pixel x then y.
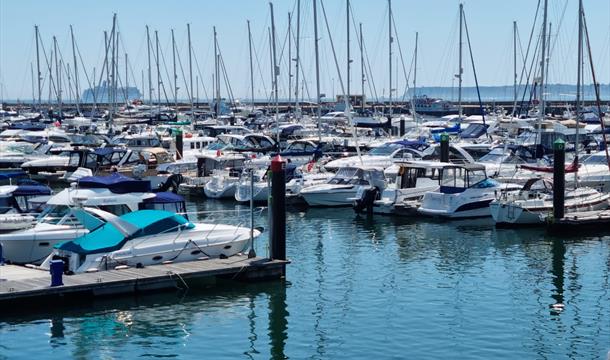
{"type": "Point", "coordinates": [121, 267]}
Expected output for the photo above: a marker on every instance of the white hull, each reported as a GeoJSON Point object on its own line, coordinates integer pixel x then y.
{"type": "Point", "coordinates": [330, 197]}
{"type": "Point", "coordinates": [33, 245]}
{"type": "Point", "coordinates": [224, 190]}
{"type": "Point", "coordinates": [535, 212]}
{"type": "Point", "coordinates": [203, 241]}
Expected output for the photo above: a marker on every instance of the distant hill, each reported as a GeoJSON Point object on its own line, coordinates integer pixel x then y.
{"type": "Point", "coordinates": [555, 92]}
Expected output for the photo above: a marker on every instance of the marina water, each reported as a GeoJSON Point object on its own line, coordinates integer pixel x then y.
{"type": "Point", "coordinates": [358, 287]}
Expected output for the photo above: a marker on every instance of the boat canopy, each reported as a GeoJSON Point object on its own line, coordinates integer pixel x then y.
{"type": "Point", "coordinates": [12, 174]}
{"type": "Point", "coordinates": [108, 237]}
{"type": "Point", "coordinates": [116, 182]}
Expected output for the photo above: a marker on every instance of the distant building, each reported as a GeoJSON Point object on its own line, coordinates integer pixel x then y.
{"type": "Point", "coordinates": [354, 100]}
{"type": "Point", "coordinates": [101, 94]}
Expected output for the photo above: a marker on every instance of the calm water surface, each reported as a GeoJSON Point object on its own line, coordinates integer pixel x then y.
{"type": "Point", "coordinates": [358, 288]}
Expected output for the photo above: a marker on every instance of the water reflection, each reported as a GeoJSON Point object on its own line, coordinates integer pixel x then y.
{"type": "Point", "coordinates": [159, 324]}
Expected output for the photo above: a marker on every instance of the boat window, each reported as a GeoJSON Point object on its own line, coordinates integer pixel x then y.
{"type": "Point", "coordinates": [134, 158]}
{"type": "Point", "coordinates": [198, 145]}
{"type": "Point", "coordinates": [74, 159]}
{"type": "Point", "coordinates": [192, 145]}
{"type": "Point", "coordinates": [118, 209]}
{"type": "Point", "coordinates": [476, 176]}
{"type": "Point", "coordinates": [454, 177]}
{"type": "Point", "coordinates": [265, 143]}
{"type": "Point", "coordinates": [5, 204]}
{"type": "Point", "coordinates": [52, 214]}
{"type": "Point", "coordinates": [91, 161]}
{"type": "Point", "coordinates": [595, 160]}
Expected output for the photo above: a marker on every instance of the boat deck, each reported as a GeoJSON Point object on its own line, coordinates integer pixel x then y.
{"type": "Point", "coordinates": [19, 283]}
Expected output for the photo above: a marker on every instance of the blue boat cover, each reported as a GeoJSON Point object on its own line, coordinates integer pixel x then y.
{"type": "Point", "coordinates": [107, 151]}
{"type": "Point", "coordinates": [108, 238]}
{"type": "Point", "coordinates": [115, 182]}
{"type": "Point", "coordinates": [473, 131]}
{"type": "Point", "coordinates": [164, 198]}
{"type": "Point", "coordinates": [32, 190]}
{"type": "Point", "coordinates": [11, 174]}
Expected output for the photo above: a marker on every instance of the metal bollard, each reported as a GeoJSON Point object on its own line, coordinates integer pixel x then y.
{"type": "Point", "coordinates": [57, 271]}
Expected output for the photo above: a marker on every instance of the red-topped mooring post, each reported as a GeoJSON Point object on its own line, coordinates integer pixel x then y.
{"type": "Point", "coordinates": [277, 206]}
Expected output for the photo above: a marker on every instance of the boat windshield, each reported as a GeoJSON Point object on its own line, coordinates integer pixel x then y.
{"type": "Point", "coordinates": [53, 214]}
{"type": "Point", "coordinates": [595, 159]}
{"type": "Point", "coordinates": [462, 178]}
{"type": "Point", "coordinates": [345, 176]}
{"type": "Point", "coordinates": [495, 156]}
{"type": "Point", "coordinates": [385, 150]}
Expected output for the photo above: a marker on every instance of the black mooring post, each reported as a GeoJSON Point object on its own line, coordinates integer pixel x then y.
{"type": "Point", "coordinates": [559, 179]}
{"type": "Point", "coordinates": [444, 147]}
{"type": "Point", "coordinates": [179, 144]}
{"type": "Point", "coordinates": [277, 203]}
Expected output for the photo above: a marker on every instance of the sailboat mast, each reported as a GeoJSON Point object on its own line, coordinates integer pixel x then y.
{"type": "Point", "coordinates": [362, 76]}
{"type": "Point", "coordinates": [188, 31]}
{"type": "Point", "coordinates": [150, 90]}
{"type": "Point", "coordinates": [57, 76]}
{"type": "Point", "coordinates": [460, 67]}
{"type": "Point", "coordinates": [158, 71]}
{"type": "Point", "coordinates": [127, 78]}
{"type": "Point", "coordinates": [542, 72]}
{"type": "Point", "coordinates": [276, 72]}
{"type": "Point", "coordinates": [216, 77]}
{"type": "Point", "coordinates": [390, 41]}
{"type": "Point", "coordinates": [514, 66]}
{"type": "Point", "coordinates": [39, 77]}
{"type": "Point", "coordinates": [32, 74]}
{"type": "Point", "coordinates": [318, 99]}
{"type": "Point", "coordinates": [251, 66]}
{"type": "Point", "coordinates": [296, 66]}
{"type": "Point", "coordinates": [415, 65]}
{"type": "Point", "coordinates": [414, 112]}
{"type": "Point", "coordinates": [348, 55]}
{"type": "Point", "coordinates": [579, 72]}
{"type": "Point", "coordinates": [75, 72]}
{"type": "Point", "coordinates": [175, 76]}
{"type": "Point", "coordinates": [289, 57]}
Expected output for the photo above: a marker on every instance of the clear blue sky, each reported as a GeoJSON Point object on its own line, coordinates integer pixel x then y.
{"type": "Point", "coordinates": [489, 22]}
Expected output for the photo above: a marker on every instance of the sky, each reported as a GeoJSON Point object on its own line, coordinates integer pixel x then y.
{"type": "Point", "coordinates": [490, 28]}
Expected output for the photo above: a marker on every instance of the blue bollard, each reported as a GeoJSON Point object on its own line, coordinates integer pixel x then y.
{"type": "Point", "coordinates": [57, 271]}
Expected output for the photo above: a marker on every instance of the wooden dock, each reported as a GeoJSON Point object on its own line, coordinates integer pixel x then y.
{"type": "Point", "coordinates": [20, 284]}
{"type": "Point", "coordinates": [596, 220]}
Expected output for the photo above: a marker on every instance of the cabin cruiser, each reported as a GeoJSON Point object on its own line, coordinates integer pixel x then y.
{"type": "Point", "coordinates": [146, 237]}
{"type": "Point", "coordinates": [254, 183]}
{"type": "Point", "coordinates": [17, 205]}
{"type": "Point", "coordinates": [342, 189]}
{"type": "Point", "coordinates": [382, 156]}
{"type": "Point", "coordinates": [207, 165]}
{"type": "Point", "coordinates": [403, 196]}
{"type": "Point", "coordinates": [533, 204]}
{"type": "Point", "coordinates": [465, 192]}
{"type": "Point", "coordinates": [116, 194]}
